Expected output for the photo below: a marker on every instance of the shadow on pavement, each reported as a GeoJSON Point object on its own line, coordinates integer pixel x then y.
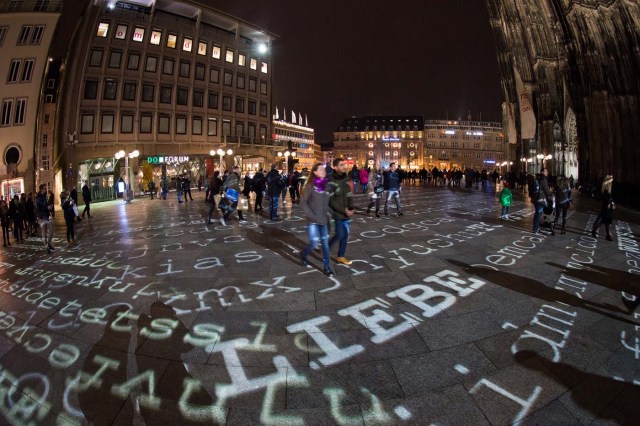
{"type": "Point", "coordinates": [536, 289]}
{"type": "Point", "coordinates": [613, 279]}
{"type": "Point", "coordinates": [602, 396]}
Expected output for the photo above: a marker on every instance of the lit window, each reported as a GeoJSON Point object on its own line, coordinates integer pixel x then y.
{"type": "Point", "coordinates": [156, 36]}
{"type": "Point", "coordinates": [202, 48]}
{"type": "Point", "coordinates": [172, 39]}
{"type": "Point", "coordinates": [187, 44]}
{"type": "Point", "coordinates": [253, 64]}
{"type": "Point", "coordinates": [242, 60]}
{"type": "Point", "coordinates": [103, 29]}
{"type": "Point", "coordinates": [229, 56]}
{"type": "Point", "coordinates": [121, 32]}
{"type": "Point", "coordinates": [215, 52]}
{"type": "Point", "coordinates": [138, 35]}
{"type": "Point", "coordinates": [263, 69]}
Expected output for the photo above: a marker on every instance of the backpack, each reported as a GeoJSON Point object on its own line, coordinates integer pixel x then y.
{"type": "Point", "coordinates": [534, 190]}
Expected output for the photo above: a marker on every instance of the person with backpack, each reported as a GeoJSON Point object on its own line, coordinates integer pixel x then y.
{"type": "Point", "coordinates": [506, 198]}
{"type": "Point", "coordinates": [563, 201]}
{"type": "Point", "coordinates": [540, 197]}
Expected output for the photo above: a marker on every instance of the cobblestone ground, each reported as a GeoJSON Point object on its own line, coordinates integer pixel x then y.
{"type": "Point", "coordinates": [448, 315]}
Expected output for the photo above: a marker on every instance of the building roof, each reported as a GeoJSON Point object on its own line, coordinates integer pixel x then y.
{"type": "Point", "coordinates": [360, 124]}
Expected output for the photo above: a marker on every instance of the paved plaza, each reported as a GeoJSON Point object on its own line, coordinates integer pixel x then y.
{"type": "Point", "coordinates": [448, 315]}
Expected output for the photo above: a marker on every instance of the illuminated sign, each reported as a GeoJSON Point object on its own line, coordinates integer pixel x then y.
{"type": "Point", "coordinates": [449, 132]}
{"type": "Point", "coordinates": [138, 34]}
{"type": "Point", "coordinates": [390, 139]}
{"type": "Point", "coordinates": [121, 32]}
{"type": "Point", "coordinates": [155, 37]}
{"type": "Point", "coordinates": [164, 159]}
{"type": "Point", "coordinates": [475, 134]}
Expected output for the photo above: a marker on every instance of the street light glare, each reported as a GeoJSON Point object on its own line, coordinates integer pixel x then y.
{"type": "Point", "coordinates": [229, 152]}
{"type": "Point", "coordinates": [262, 48]}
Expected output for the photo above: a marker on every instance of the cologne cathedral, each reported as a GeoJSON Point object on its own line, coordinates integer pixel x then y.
{"type": "Point", "coordinates": [579, 65]}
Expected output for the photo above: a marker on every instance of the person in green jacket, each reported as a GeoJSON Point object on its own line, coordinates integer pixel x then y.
{"type": "Point", "coordinates": [505, 201]}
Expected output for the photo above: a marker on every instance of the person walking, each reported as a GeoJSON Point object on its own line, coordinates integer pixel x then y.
{"type": "Point", "coordinates": [5, 222]}
{"type": "Point", "coordinates": [257, 186]}
{"type": "Point", "coordinates": [315, 203]}
{"type": "Point", "coordinates": [375, 189]}
{"type": "Point", "coordinates": [69, 218]}
{"type": "Point", "coordinates": [215, 185]}
{"type": "Point", "coordinates": [393, 189]}
{"type": "Point", "coordinates": [563, 202]}
{"type": "Point", "coordinates": [229, 204]}
{"type": "Point", "coordinates": [17, 217]}
{"type": "Point", "coordinates": [506, 198]}
{"type": "Point", "coordinates": [274, 189]}
{"type": "Point", "coordinates": [30, 213]}
{"type": "Point", "coordinates": [364, 179]}
{"type": "Point", "coordinates": [341, 204]}
{"type": "Point", "coordinates": [606, 210]}
{"type": "Point", "coordinates": [74, 196]}
{"type": "Point", "coordinates": [86, 197]}
{"type": "Point", "coordinates": [355, 178]}
{"type": "Point", "coordinates": [44, 205]}
{"type": "Point", "coordinates": [540, 197]}
{"type": "Point", "coordinates": [164, 187]}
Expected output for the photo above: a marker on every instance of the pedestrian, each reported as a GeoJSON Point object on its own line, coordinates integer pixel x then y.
{"type": "Point", "coordinates": [86, 197]}
{"type": "Point", "coordinates": [393, 189]}
{"type": "Point", "coordinates": [364, 179]}
{"type": "Point", "coordinates": [74, 195]}
{"type": "Point", "coordinates": [606, 209]}
{"type": "Point", "coordinates": [51, 202]}
{"type": "Point", "coordinates": [274, 189]}
{"type": "Point", "coordinates": [179, 189]}
{"type": "Point", "coordinates": [215, 185]}
{"type": "Point", "coordinates": [315, 203]}
{"type": "Point", "coordinates": [69, 218]}
{"type": "Point", "coordinates": [246, 188]}
{"type": "Point", "coordinates": [375, 189]}
{"type": "Point", "coordinates": [294, 183]}
{"type": "Point", "coordinates": [186, 188]}
{"type": "Point", "coordinates": [506, 198]}
{"type": "Point", "coordinates": [44, 205]}
{"type": "Point", "coordinates": [231, 194]}
{"type": "Point", "coordinates": [258, 186]}
{"type": "Point", "coordinates": [563, 202]}
{"type": "Point", "coordinates": [17, 217]}
{"type": "Point", "coordinates": [540, 197]}
{"type": "Point", "coordinates": [164, 187]}
{"type": "Point", "coordinates": [284, 177]}
{"type": "Point", "coordinates": [5, 222]}
{"type": "Point", "coordinates": [355, 178]}
{"type": "Point", "coordinates": [341, 204]}
{"type": "Point", "coordinates": [30, 213]}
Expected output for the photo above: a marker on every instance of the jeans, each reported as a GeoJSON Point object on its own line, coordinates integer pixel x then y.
{"type": "Point", "coordinates": [364, 188]}
{"type": "Point", "coordinates": [392, 193]}
{"type": "Point", "coordinates": [47, 231]}
{"type": "Point", "coordinates": [341, 235]}
{"type": "Point", "coordinates": [537, 216]}
{"type": "Point", "coordinates": [505, 210]}
{"type": "Point", "coordinates": [273, 206]}
{"type": "Point", "coordinates": [318, 234]}
{"type": "Point", "coordinates": [355, 186]}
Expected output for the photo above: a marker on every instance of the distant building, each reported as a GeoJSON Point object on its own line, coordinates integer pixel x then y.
{"type": "Point", "coordinates": [464, 144]}
{"type": "Point", "coordinates": [369, 141]}
{"type": "Point", "coordinates": [26, 31]}
{"type": "Point", "coordinates": [299, 134]}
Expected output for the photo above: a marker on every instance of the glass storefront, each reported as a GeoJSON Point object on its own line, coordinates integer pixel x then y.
{"type": "Point", "coordinates": [11, 187]}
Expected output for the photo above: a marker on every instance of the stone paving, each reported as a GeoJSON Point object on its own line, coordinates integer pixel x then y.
{"type": "Point", "coordinates": [448, 315]}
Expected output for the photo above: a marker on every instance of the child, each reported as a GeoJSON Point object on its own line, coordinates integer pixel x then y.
{"type": "Point", "coordinates": [5, 221]}
{"type": "Point", "coordinates": [69, 217]}
{"type": "Point", "coordinates": [505, 201]}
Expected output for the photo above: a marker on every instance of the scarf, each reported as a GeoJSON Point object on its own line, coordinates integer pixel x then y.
{"type": "Point", "coordinates": [320, 184]}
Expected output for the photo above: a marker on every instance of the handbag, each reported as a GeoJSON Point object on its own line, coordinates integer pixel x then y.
{"type": "Point", "coordinates": [379, 189]}
{"type": "Point", "coordinates": [231, 194]}
{"type": "Point", "coordinates": [243, 204]}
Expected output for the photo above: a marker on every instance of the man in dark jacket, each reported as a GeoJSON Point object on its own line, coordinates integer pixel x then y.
{"type": "Point", "coordinates": [257, 186]}
{"type": "Point", "coordinates": [45, 207]}
{"type": "Point", "coordinates": [392, 183]}
{"type": "Point", "coordinates": [341, 204]}
{"type": "Point", "coordinates": [274, 189]}
{"type": "Point", "coordinates": [86, 197]}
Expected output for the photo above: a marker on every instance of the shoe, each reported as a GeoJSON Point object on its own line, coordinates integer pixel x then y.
{"type": "Point", "coordinates": [49, 250]}
{"type": "Point", "coordinates": [222, 222]}
{"type": "Point", "coordinates": [210, 222]}
{"type": "Point", "coordinates": [303, 260]}
{"type": "Point", "coordinates": [609, 238]}
{"type": "Point", "coordinates": [74, 242]}
{"type": "Point", "coordinates": [50, 247]}
{"type": "Point", "coordinates": [400, 214]}
{"type": "Point", "coordinates": [328, 272]}
{"type": "Point", "coordinates": [502, 217]}
{"type": "Point", "coordinates": [343, 261]}
{"type": "Point", "coordinates": [368, 211]}
{"type": "Point", "coordinates": [284, 202]}
{"type": "Point", "coordinates": [593, 234]}
{"type": "Point", "coordinates": [377, 216]}
{"type": "Point", "coordinates": [69, 244]}
{"type": "Point", "coordinates": [553, 233]}
{"type": "Point", "coordinates": [243, 220]}
{"type": "Point", "coordinates": [506, 216]}
{"type": "Point", "coordinates": [179, 202]}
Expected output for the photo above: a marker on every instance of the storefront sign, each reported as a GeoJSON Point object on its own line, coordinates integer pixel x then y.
{"type": "Point", "coordinates": [163, 159]}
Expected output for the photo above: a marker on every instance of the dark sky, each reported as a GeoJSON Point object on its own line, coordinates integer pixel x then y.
{"type": "Point", "coordinates": [336, 59]}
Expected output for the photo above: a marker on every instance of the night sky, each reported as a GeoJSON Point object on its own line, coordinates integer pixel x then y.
{"type": "Point", "coordinates": [336, 59]}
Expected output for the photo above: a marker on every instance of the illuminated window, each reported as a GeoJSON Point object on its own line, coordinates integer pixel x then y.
{"type": "Point", "coordinates": [86, 123]}
{"type": "Point", "coordinates": [212, 128]}
{"type": "Point", "coordinates": [370, 145]}
{"type": "Point", "coordinates": [242, 60]}
{"type": "Point", "coordinates": [103, 29]}
{"type": "Point", "coordinates": [138, 34]}
{"type": "Point", "coordinates": [121, 32]}
{"type": "Point", "coordinates": [253, 64]}
{"type": "Point", "coordinates": [215, 52]}
{"type": "Point", "coordinates": [202, 48]}
{"type": "Point", "coordinates": [156, 36]}
{"type": "Point", "coordinates": [371, 153]}
{"type": "Point", "coordinates": [395, 153]}
{"type": "Point", "coordinates": [172, 39]}
{"type": "Point", "coordinates": [263, 69]}
{"type": "Point", "coordinates": [187, 44]}
{"type": "Point", "coordinates": [229, 56]}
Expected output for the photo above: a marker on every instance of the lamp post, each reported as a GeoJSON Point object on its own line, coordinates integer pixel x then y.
{"type": "Point", "coordinates": [122, 154]}
{"type": "Point", "coordinates": [221, 152]}
{"type": "Point", "coordinates": [289, 154]}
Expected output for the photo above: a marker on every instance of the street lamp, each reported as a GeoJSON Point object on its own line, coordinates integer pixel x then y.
{"type": "Point", "coordinates": [289, 154]}
{"type": "Point", "coordinates": [221, 152]}
{"type": "Point", "coordinates": [122, 154]}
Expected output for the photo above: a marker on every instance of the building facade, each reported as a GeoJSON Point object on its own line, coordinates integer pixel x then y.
{"type": "Point", "coordinates": [369, 141]}
{"type": "Point", "coordinates": [174, 80]}
{"type": "Point", "coordinates": [414, 143]}
{"type": "Point", "coordinates": [301, 136]}
{"type": "Point", "coordinates": [26, 31]}
{"type": "Point", "coordinates": [464, 145]}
